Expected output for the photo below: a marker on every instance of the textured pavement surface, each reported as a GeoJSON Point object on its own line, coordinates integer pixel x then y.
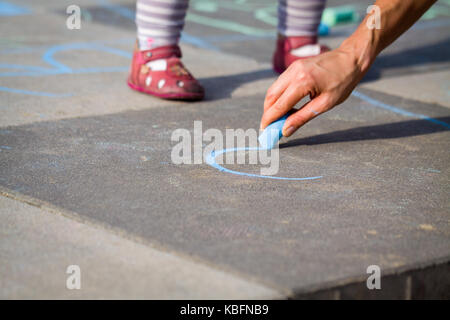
{"type": "Point", "coordinates": [95, 157]}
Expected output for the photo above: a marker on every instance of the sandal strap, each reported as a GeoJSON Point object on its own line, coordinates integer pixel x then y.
{"type": "Point", "coordinates": [290, 43]}
{"type": "Point", "coordinates": [159, 53]}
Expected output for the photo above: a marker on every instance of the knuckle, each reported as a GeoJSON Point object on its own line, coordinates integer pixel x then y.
{"type": "Point", "coordinates": [300, 119]}
{"type": "Point", "coordinates": [278, 107]}
{"type": "Point", "coordinates": [269, 93]}
{"type": "Point", "coordinates": [305, 77]}
{"type": "Point", "coordinates": [308, 77]}
{"type": "Point", "coordinates": [328, 102]}
{"type": "Point", "coordinates": [298, 85]}
{"type": "Point", "coordinates": [299, 64]}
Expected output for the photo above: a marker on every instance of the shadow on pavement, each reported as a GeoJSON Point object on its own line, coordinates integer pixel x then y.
{"type": "Point", "coordinates": [427, 54]}
{"type": "Point", "coordinates": [223, 86]}
{"type": "Point", "coordinates": [382, 131]}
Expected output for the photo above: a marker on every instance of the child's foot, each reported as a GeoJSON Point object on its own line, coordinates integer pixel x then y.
{"type": "Point", "coordinates": [290, 49]}
{"type": "Point", "coordinates": [160, 72]}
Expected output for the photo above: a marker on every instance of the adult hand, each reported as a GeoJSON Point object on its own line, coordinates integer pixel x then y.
{"type": "Point", "coordinates": [328, 79]}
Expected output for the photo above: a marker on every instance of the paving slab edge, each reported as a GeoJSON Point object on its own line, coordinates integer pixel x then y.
{"type": "Point", "coordinates": [352, 286]}
{"type": "Point", "coordinates": [327, 290]}
{"type": "Point", "coordinates": [153, 244]}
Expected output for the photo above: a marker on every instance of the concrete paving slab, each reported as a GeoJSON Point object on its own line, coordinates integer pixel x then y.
{"type": "Point", "coordinates": [27, 99]}
{"type": "Point", "coordinates": [77, 68]}
{"type": "Point", "coordinates": [38, 246]}
{"type": "Point", "coordinates": [431, 87]}
{"type": "Point", "coordinates": [384, 178]}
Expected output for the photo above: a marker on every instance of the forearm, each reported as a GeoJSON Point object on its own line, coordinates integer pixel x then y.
{"type": "Point", "coordinates": [397, 16]}
{"type": "Point", "coordinates": [328, 79]}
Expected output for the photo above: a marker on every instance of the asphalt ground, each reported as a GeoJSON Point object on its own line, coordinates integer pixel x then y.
{"type": "Point", "coordinates": [75, 141]}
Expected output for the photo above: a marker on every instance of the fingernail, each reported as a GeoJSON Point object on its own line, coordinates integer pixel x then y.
{"type": "Point", "coordinates": [289, 131]}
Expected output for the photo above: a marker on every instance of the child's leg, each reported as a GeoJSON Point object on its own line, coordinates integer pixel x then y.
{"type": "Point", "coordinates": [298, 23]}
{"type": "Point", "coordinates": [159, 23]}
{"type": "Point", "coordinates": [299, 17]}
{"type": "Point", "coordinates": [156, 68]}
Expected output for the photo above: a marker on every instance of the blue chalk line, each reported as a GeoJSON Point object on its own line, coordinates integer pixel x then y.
{"type": "Point", "coordinates": [267, 141]}
{"type": "Point", "coordinates": [211, 160]}
{"type": "Point", "coordinates": [35, 93]}
{"type": "Point", "coordinates": [10, 9]}
{"type": "Point", "coordinates": [403, 112]}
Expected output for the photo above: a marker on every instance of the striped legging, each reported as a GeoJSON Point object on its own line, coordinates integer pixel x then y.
{"type": "Point", "coordinates": [159, 22]}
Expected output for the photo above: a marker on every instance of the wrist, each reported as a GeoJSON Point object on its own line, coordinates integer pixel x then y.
{"type": "Point", "coordinates": [361, 49]}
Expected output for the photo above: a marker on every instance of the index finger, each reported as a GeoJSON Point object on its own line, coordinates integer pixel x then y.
{"type": "Point", "coordinates": [285, 102]}
{"type": "Point", "coordinates": [276, 90]}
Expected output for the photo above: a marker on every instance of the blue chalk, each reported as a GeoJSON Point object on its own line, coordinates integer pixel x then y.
{"type": "Point", "coordinates": [9, 9]}
{"type": "Point", "coordinates": [273, 133]}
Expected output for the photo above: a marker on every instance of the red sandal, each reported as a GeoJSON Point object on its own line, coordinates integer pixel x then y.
{"type": "Point", "coordinates": [159, 72]}
{"type": "Point", "coordinates": [303, 47]}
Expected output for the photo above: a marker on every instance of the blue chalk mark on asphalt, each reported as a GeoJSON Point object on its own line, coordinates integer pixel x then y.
{"type": "Point", "coordinates": [61, 68]}
{"type": "Point", "coordinates": [211, 160]}
{"type": "Point", "coordinates": [35, 93]}
{"type": "Point", "coordinates": [58, 68]}
{"type": "Point", "coordinates": [268, 141]}
{"type": "Point", "coordinates": [48, 55]}
{"type": "Point", "coordinates": [403, 112]}
{"type": "Point", "coordinates": [9, 9]}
